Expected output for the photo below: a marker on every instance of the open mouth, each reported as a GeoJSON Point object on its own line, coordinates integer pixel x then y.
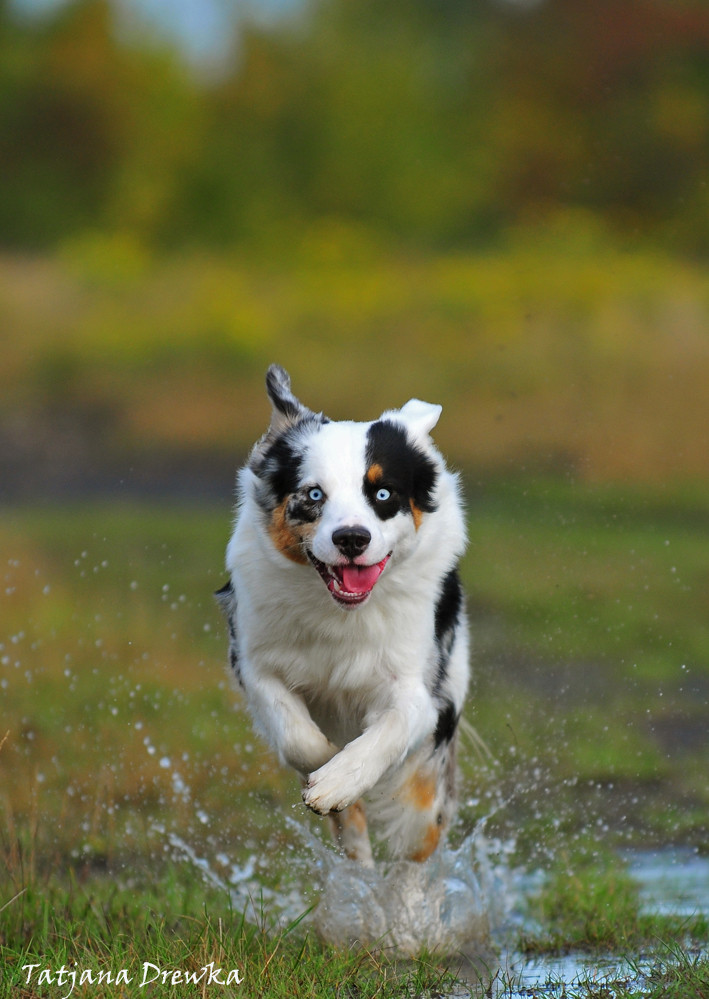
{"type": "Point", "coordinates": [350, 584]}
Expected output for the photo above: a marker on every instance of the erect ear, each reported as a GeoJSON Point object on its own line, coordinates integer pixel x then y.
{"type": "Point", "coordinates": [419, 417]}
{"type": "Point", "coordinates": [287, 410]}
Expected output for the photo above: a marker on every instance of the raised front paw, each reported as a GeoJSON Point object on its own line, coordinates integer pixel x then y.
{"type": "Point", "coordinates": [329, 789]}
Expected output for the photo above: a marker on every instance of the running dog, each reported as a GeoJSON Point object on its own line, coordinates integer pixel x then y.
{"type": "Point", "coordinates": [348, 634]}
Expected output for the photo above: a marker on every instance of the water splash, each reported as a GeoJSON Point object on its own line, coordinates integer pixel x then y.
{"type": "Point", "coordinates": [410, 907]}
{"type": "Point", "coordinates": [454, 902]}
{"type": "Point", "coordinates": [449, 904]}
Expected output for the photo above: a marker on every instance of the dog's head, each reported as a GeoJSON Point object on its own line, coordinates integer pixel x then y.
{"type": "Point", "coordinates": [344, 497]}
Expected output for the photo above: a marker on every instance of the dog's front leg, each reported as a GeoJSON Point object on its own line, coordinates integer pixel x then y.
{"type": "Point", "coordinates": [356, 769]}
{"type": "Point", "coordinates": [283, 719]}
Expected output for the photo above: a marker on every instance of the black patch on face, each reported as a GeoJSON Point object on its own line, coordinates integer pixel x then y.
{"type": "Point", "coordinates": [300, 509]}
{"type": "Point", "coordinates": [406, 471]}
{"type": "Point", "coordinates": [446, 724]}
{"type": "Point", "coordinates": [280, 467]}
{"type": "Point", "coordinates": [447, 617]}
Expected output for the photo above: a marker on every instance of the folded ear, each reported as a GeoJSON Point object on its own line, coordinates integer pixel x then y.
{"type": "Point", "coordinates": [419, 417]}
{"type": "Point", "coordinates": [287, 410]}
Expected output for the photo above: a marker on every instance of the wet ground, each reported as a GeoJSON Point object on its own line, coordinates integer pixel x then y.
{"type": "Point", "coordinates": [671, 881]}
{"type": "Point", "coordinates": [451, 902]}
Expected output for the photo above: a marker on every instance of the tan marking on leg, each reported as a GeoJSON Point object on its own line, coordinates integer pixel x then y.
{"type": "Point", "coordinates": [421, 790]}
{"type": "Point", "coordinates": [421, 793]}
{"type": "Point", "coordinates": [430, 842]}
{"type": "Point", "coordinates": [349, 830]}
{"type": "Point", "coordinates": [416, 513]}
{"type": "Point", "coordinates": [284, 537]}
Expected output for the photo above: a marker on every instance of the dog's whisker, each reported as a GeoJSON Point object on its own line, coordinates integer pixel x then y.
{"type": "Point", "coordinates": [476, 741]}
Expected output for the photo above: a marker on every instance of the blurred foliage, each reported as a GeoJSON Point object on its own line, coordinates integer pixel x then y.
{"type": "Point", "coordinates": [440, 124]}
{"type": "Point", "coordinates": [504, 203]}
{"type": "Point", "coordinates": [561, 354]}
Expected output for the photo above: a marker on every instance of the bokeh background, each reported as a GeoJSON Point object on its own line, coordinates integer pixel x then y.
{"type": "Point", "coordinates": [499, 206]}
{"type": "Point", "coordinates": [502, 205]}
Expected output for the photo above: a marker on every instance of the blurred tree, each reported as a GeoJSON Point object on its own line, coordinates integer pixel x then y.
{"type": "Point", "coordinates": [91, 130]}
{"type": "Point", "coordinates": [57, 136]}
{"type": "Point", "coordinates": [604, 105]}
{"type": "Point", "coordinates": [439, 122]}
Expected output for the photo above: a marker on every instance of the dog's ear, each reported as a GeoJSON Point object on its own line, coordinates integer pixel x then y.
{"type": "Point", "coordinates": [418, 417]}
{"type": "Point", "coordinates": [287, 410]}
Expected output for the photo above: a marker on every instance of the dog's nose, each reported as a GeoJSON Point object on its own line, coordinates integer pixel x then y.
{"type": "Point", "coordinates": [351, 541]}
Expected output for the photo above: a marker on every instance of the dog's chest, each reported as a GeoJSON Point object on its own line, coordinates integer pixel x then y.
{"type": "Point", "coordinates": [330, 665]}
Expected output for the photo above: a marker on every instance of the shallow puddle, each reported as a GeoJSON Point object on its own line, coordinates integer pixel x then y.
{"type": "Point", "coordinates": [671, 881]}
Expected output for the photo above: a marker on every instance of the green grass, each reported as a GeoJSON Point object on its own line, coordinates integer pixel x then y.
{"type": "Point", "coordinates": [672, 975]}
{"type": "Point", "coordinates": [590, 660]}
{"type": "Point", "coordinates": [590, 653]}
{"type": "Point", "coordinates": [590, 903]}
{"type": "Point", "coordinates": [601, 571]}
{"type": "Point", "coordinates": [125, 937]}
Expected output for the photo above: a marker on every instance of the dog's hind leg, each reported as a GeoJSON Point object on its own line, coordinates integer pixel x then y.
{"type": "Point", "coordinates": [349, 830]}
{"type": "Point", "coordinates": [416, 814]}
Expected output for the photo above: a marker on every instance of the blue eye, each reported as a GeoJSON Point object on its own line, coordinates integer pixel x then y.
{"type": "Point", "coordinates": [383, 495]}
{"type": "Point", "coordinates": [316, 494]}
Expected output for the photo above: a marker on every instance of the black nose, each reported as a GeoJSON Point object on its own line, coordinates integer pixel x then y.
{"type": "Point", "coordinates": [351, 541]}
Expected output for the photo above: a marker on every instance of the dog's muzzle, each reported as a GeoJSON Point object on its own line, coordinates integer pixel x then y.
{"type": "Point", "coordinates": [350, 584]}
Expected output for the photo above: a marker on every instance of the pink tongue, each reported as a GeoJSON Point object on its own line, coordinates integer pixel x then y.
{"type": "Point", "coordinates": [360, 578]}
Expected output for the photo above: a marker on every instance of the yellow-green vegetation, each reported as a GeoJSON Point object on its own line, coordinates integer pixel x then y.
{"type": "Point", "coordinates": [438, 125]}
{"type": "Point", "coordinates": [593, 362]}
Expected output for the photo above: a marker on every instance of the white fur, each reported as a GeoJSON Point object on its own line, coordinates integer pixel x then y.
{"type": "Point", "coordinates": [341, 695]}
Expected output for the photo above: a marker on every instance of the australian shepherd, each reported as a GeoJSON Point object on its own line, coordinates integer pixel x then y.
{"type": "Point", "coordinates": [348, 634]}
